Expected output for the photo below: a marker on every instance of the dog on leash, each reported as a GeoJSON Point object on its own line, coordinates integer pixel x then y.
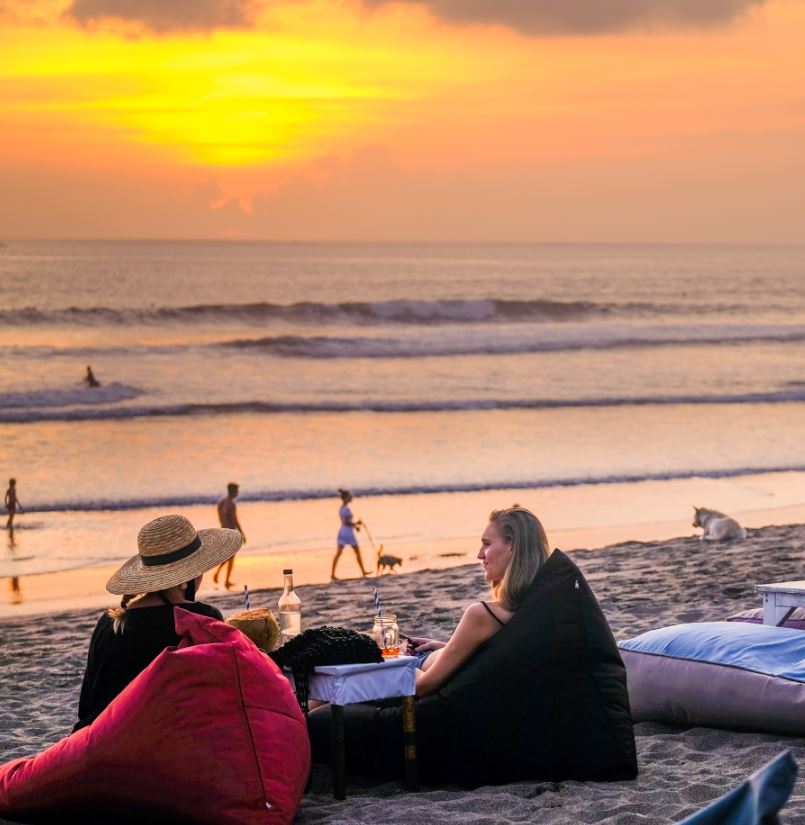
{"type": "Point", "coordinates": [386, 560]}
{"type": "Point", "coordinates": [717, 526]}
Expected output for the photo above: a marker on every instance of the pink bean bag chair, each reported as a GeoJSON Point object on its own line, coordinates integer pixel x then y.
{"type": "Point", "coordinates": [209, 732]}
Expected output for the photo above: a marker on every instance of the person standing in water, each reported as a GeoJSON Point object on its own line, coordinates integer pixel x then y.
{"type": "Point", "coordinates": [228, 517]}
{"type": "Point", "coordinates": [12, 503]}
{"type": "Point", "coordinates": [346, 533]}
{"type": "Point", "coordinates": [90, 379]}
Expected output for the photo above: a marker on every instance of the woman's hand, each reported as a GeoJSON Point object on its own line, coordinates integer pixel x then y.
{"type": "Point", "coordinates": [421, 644]}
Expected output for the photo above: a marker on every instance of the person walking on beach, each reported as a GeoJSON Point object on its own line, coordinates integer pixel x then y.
{"type": "Point", "coordinates": [228, 517]}
{"type": "Point", "coordinates": [12, 503]}
{"type": "Point", "coordinates": [346, 534]}
{"type": "Point", "coordinates": [90, 379]}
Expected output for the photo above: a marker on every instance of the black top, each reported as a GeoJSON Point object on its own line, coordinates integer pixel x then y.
{"type": "Point", "coordinates": [114, 659]}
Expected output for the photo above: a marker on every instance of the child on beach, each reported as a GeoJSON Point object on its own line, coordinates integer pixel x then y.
{"type": "Point", "coordinates": [513, 548]}
{"type": "Point", "coordinates": [346, 534]}
{"type": "Point", "coordinates": [12, 503]}
{"type": "Point", "coordinates": [167, 571]}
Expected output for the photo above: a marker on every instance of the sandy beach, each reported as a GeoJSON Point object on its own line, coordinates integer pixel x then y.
{"type": "Point", "coordinates": [640, 586]}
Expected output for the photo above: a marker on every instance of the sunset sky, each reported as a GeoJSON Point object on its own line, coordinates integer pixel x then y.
{"type": "Point", "coordinates": [488, 120]}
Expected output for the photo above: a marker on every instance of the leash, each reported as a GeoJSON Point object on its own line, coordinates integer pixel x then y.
{"type": "Point", "coordinates": [369, 536]}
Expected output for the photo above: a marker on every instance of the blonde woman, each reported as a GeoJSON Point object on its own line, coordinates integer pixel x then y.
{"type": "Point", "coordinates": [513, 548]}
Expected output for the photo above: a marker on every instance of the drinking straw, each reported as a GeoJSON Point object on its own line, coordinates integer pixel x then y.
{"type": "Point", "coordinates": [380, 614]}
{"type": "Point", "coordinates": [246, 597]}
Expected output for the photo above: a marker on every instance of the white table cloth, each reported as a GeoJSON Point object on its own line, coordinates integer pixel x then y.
{"type": "Point", "coordinates": [347, 684]}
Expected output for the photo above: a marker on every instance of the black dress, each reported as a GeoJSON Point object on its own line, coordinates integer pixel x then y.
{"type": "Point", "coordinates": [114, 659]}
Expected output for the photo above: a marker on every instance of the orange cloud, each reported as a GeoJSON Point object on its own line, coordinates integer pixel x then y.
{"type": "Point", "coordinates": [552, 17]}
{"type": "Point", "coordinates": [165, 15]}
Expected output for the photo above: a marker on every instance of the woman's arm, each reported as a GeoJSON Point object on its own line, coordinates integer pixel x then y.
{"type": "Point", "coordinates": [420, 644]}
{"type": "Point", "coordinates": [475, 627]}
{"type": "Point", "coordinates": [349, 520]}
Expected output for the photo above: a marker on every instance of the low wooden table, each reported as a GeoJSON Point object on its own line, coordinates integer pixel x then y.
{"type": "Point", "coordinates": [780, 599]}
{"type": "Point", "coordinates": [342, 685]}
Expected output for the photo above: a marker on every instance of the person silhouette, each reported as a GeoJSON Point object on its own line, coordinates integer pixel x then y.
{"type": "Point", "coordinates": [12, 503]}
{"type": "Point", "coordinates": [228, 517]}
{"type": "Point", "coordinates": [90, 378]}
{"type": "Point", "coordinates": [346, 534]}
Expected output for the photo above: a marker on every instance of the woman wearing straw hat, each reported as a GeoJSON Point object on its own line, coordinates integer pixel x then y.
{"type": "Point", "coordinates": [167, 570]}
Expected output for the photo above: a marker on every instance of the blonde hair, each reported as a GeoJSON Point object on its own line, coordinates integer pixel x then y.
{"type": "Point", "coordinates": [118, 614]}
{"type": "Point", "coordinates": [522, 529]}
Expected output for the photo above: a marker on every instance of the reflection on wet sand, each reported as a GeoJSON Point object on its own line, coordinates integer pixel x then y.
{"type": "Point", "coordinates": [16, 590]}
{"type": "Point", "coordinates": [14, 581]}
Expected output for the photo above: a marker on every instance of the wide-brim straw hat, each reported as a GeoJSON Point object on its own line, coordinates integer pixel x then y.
{"type": "Point", "coordinates": [171, 552]}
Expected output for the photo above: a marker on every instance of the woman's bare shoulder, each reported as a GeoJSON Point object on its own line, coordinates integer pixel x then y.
{"type": "Point", "coordinates": [481, 610]}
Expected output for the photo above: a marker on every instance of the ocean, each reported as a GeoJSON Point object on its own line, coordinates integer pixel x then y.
{"type": "Point", "coordinates": [392, 370]}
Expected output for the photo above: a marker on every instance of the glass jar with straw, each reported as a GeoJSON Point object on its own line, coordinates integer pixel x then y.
{"type": "Point", "coordinates": [387, 635]}
{"type": "Point", "coordinates": [385, 632]}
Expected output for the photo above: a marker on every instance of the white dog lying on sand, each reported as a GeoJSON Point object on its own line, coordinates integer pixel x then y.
{"type": "Point", "coordinates": [717, 526]}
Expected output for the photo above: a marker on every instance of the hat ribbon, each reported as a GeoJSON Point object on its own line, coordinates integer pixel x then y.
{"type": "Point", "coordinates": [174, 555]}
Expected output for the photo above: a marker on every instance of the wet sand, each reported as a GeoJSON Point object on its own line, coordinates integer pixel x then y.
{"type": "Point", "coordinates": [641, 585]}
{"type": "Point", "coordinates": [61, 560]}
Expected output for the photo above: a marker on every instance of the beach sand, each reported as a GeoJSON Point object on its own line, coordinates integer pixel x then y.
{"type": "Point", "coordinates": [640, 586]}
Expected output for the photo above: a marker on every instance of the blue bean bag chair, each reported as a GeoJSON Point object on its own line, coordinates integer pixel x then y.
{"type": "Point", "coordinates": [543, 699]}
{"type": "Point", "coordinates": [755, 801]}
{"type": "Point", "coordinates": [719, 674]}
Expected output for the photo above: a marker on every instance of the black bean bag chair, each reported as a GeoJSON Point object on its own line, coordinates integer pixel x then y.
{"type": "Point", "coordinates": [543, 699]}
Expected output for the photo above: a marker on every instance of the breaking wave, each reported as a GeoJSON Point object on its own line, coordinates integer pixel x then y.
{"type": "Point", "coordinates": [528, 341]}
{"type": "Point", "coordinates": [35, 401]}
{"type": "Point", "coordinates": [401, 311]}
{"type": "Point", "coordinates": [11, 415]}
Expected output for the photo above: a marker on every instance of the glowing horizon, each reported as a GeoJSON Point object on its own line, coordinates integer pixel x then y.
{"type": "Point", "coordinates": [306, 102]}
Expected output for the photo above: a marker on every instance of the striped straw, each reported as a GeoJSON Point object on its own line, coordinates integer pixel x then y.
{"type": "Point", "coordinates": [380, 614]}
{"type": "Point", "coordinates": [246, 597]}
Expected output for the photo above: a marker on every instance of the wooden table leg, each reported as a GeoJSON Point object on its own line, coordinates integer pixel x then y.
{"type": "Point", "coordinates": [409, 740]}
{"type": "Point", "coordinates": [337, 745]}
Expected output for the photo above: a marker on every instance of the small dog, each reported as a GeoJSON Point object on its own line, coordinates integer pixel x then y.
{"type": "Point", "coordinates": [717, 526]}
{"type": "Point", "coordinates": [386, 560]}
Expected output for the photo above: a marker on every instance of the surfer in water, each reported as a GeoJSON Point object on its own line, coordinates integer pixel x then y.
{"type": "Point", "coordinates": [90, 379]}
